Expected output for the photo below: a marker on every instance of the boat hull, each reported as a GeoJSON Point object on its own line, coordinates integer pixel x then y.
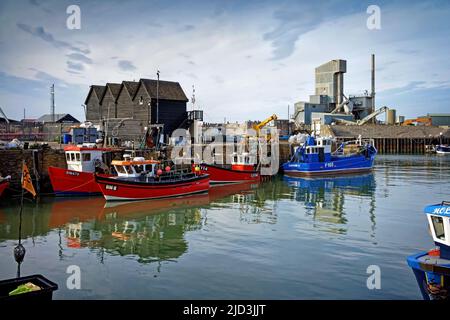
{"type": "Point", "coordinates": [73, 183]}
{"type": "Point", "coordinates": [3, 186]}
{"type": "Point", "coordinates": [219, 175]}
{"type": "Point", "coordinates": [432, 276]}
{"type": "Point", "coordinates": [351, 165]}
{"type": "Point", "coordinates": [116, 189]}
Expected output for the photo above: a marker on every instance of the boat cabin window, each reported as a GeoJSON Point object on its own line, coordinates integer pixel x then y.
{"type": "Point", "coordinates": [324, 143]}
{"type": "Point", "coordinates": [86, 156]}
{"type": "Point", "coordinates": [129, 169]}
{"type": "Point", "coordinates": [67, 156]}
{"type": "Point", "coordinates": [72, 156]}
{"type": "Point", "coordinates": [77, 156]}
{"type": "Point", "coordinates": [438, 225]}
{"type": "Point", "coordinates": [120, 169]}
{"type": "Point", "coordinates": [312, 150]}
{"type": "Point", "coordinates": [139, 168]}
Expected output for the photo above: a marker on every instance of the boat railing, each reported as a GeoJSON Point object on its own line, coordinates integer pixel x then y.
{"type": "Point", "coordinates": [360, 143]}
{"type": "Point", "coordinates": [175, 174]}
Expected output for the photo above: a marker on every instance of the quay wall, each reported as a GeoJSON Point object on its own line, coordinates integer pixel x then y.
{"type": "Point", "coordinates": [391, 139]}
{"type": "Point", "coordinates": [37, 161]}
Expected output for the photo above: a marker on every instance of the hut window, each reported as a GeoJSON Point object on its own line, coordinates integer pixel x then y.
{"type": "Point", "coordinates": [438, 225]}
{"type": "Point", "coordinates": [141, 100]}
{"type": "Point", "coordinates": [86, 157]}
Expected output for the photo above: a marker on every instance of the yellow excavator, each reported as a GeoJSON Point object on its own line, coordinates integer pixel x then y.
{"type": "Point", "coordinates": [259, 126]}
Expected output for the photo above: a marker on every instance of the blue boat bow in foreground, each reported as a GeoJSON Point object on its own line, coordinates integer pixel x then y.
{"type": "Point", "coordinates": [432, 268]}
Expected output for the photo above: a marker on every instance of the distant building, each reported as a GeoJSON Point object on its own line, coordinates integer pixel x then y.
{"type": "Point", "coordinates": [134, 104]}
{"type": "Point", "coordinates": [59, 118]}
{"type": "Point", "coordinates": [329, 102]}
{"type": "Point", "coordinates": [23, 121]}
{"type": "Point", "coordinates": [5, 126]}
{"type": "Point", "coordinates": [3, 120]}
{"type": "Point", "coordinates": [439, 119]}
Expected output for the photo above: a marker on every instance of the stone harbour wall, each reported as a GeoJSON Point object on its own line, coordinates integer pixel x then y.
{"type": "Point", "coordinates": [37, 160]}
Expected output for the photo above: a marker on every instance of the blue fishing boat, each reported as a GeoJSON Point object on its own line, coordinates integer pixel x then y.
{"type": "Point", "coordinates": [432, 268]}
{"type": "Point", "coordinates": [315, 157]}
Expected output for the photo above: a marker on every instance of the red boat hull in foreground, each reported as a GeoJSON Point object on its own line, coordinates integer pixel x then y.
{"type": "Point", "coordinates": [224, 175]}
{"type": "Point", "coordinates": [123, 189]}
{"type": "Point", "coordinates": [75, 183]}
{"type": "Point", "coordinates": [3, 185]}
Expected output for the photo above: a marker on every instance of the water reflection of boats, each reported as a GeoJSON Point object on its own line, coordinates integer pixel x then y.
{"type": "Point", "coordinates": [151, 229]}
{"type": "Point", "coordinates": [324, 198]}
{"type": "Point", "coordinates": [349, 182]}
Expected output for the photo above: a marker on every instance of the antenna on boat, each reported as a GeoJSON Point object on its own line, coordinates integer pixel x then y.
{"type": "Point", "coordinates": [157, 97]}
{"type": "Point", "coordinates": [193, 98]}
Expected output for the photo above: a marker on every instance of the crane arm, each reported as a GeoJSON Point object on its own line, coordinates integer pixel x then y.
{"type": "Point", "coordinates": [258, 126]}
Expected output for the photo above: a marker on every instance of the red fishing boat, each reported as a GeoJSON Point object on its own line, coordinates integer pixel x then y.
{"type": "Point", "coordinates": [242, 169]}
{"type": "Point", "coordinates": [141, 179]}
{"type": "Point", "coordinates": [4, 184]}
{"type": "Point", "coordinates": [78, 179]}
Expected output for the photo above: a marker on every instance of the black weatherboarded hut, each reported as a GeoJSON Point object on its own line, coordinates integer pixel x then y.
{"type": "Point", "coordinates": [137, 100]}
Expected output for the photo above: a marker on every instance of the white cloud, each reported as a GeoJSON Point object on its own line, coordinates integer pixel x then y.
{"type": "Point", "coordinates": [231, 64]}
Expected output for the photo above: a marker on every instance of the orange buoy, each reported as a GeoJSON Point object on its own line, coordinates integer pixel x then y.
{"type": "Point", "coordinates": [434, 252]}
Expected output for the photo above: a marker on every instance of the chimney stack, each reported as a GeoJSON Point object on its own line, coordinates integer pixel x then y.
{"type": "Point", "coordinates": [52, 102]}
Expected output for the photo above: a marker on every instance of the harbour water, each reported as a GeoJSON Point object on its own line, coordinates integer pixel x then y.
{"type": "Point", "coordinates": [284, 239]}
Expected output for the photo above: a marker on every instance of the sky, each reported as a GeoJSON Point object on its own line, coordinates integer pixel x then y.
{"type": "Point", "coordinates": [247, 59]}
